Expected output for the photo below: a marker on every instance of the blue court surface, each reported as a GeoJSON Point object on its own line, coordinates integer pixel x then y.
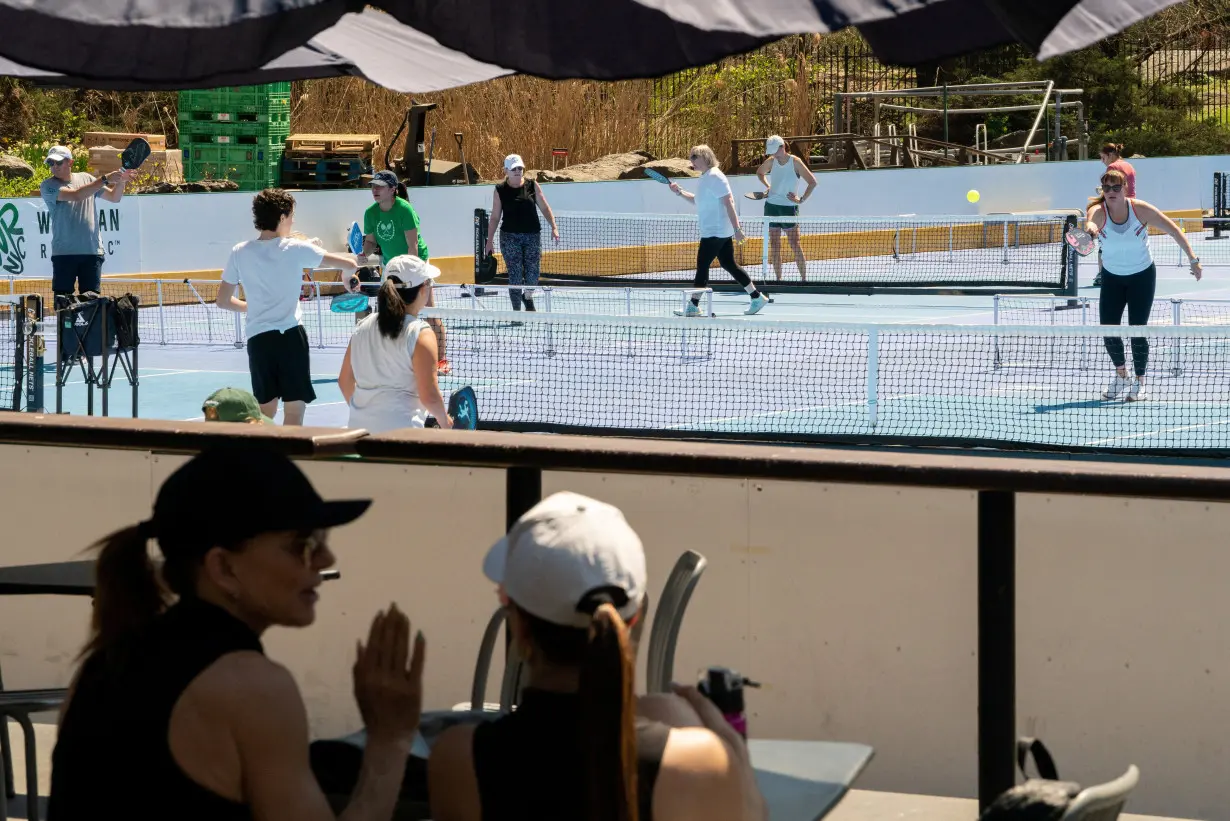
{"type": "Point", "coordinates": [560, 373]}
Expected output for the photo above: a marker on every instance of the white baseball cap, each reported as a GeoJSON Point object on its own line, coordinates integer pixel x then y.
{"type": "Point", "coordinates": [773, 144]}
{"type": "Point", "coordinates": [513, 161]}
{"type": "Point", "coordinates": [562, 552]}
{"type": "Point", "coordinates": [411, 270]}
{"type": "Point", "coordinates": [58, 153]}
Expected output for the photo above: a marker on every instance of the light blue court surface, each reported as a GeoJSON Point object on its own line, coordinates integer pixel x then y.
{"type": "Point", "coordinates": [714, 379]}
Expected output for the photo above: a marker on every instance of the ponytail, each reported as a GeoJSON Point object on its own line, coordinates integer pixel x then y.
{"type": "Point", "coordinates": [390, 309]}
{"type": "Point", "coordinates": [402, 192]}
{"type": "Point", "coordinates": [1112, 148]}
{"type": "Point", "coordinates": [608, 719]}
{"type": "Point", "coordinates": [128, 594]}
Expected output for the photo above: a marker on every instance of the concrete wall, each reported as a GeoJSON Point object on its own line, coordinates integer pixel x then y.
{"type": "Point", "coordinates": [855, 606]}
{"type": "Point", "coordinates": [194, 232]}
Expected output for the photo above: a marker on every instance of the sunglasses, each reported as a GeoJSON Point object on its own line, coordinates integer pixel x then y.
{"type": "Point", "coordinates": [309, 545]}
{"type": "Point", "coordinates": [694, 157]}
{"type": "Point", "coordinates": [1106, 189]}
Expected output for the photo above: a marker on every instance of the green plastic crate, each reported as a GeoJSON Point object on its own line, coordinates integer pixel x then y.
{"type": "Point", "coordinates": [251, 168]}
{"type": "Point", "coordinates": [259, 99]}
{"type": "Point", "coordinates": [268, 135]}
{"type": "Point", "coordinates": [191, 119]}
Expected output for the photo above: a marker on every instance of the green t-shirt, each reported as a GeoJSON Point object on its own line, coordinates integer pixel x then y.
{"type": "Point", "coordinates": [390, 228]}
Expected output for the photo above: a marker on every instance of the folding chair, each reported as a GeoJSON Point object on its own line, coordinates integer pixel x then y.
{"type": "Point", "coordinates": [676, 594]}
{"type": "Point", "coordinates": [1103, 802]}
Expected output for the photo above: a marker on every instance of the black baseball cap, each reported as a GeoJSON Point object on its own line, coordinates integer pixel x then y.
{"type": "Point", "coordinates": [277, 497]}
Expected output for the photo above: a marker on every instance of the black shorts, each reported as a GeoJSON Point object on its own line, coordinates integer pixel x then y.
{"type": "Point", "coordinates": [68, 270]}
{"type": "Point", "coordinates": [280, 366]}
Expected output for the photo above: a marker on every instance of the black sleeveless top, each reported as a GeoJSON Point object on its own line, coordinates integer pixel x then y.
{"type": "Point", "coordinates": [528, 763]}
{"type": "Point", "coordinates": [117, 723]}
{"type": "Point", "coordinates": [519, 207]}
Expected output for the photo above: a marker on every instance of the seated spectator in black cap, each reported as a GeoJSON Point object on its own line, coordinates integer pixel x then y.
{"type": "Point", "coordinates": [178, 700]}
{"type": "Point", "coordinates": [234, 405]}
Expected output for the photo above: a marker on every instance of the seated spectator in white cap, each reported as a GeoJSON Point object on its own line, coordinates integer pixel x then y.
{"type": "Point", "coordinates": [389, 374]}
{"type": "Point", "coordinates": [573, 573]}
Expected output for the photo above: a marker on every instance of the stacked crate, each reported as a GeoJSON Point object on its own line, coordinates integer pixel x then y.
{"type": "Point", "coordinates": [235, 133]}
{"type": "Point", "coordinates": [314, 161]}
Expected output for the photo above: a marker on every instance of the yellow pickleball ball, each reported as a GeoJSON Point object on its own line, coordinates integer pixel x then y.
{"type": "Point", "coordinates": [972, 195]}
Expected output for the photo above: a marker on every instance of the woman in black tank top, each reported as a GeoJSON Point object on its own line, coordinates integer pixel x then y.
{"type": "Point", "coordinates": [514, 208]}
{"type": "Point", "coordinates": [572, 574]}
{"type": "Point", "coordinates": [181, 698]}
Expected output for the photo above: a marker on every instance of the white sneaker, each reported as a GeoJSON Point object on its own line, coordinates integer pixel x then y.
{"type": "Point", "coordinates": [691, 310]}
{"type": "Point", "coordinates": [757, 303]}
{"type": "Point", "coordinates": [1136, 392]}
{"type": "Point", "coordinates": [1118, 384]}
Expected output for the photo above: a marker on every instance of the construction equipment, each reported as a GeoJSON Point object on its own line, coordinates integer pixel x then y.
{"type": "Point", "coordinates": [416, 166]}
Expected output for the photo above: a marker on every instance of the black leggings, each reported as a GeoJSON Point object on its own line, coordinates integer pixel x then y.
{"type": "Point", "coordinates": [1136, 292]}
{"type": "Point", "coordinates": [723, 250]}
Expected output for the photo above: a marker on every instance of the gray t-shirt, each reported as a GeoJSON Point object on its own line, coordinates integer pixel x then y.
{"type": "Point", "coordinates": [74, 225]}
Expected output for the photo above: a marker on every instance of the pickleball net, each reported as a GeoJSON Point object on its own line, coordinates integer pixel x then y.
{"type": "Point", "coordinates": [993, 386]}
{"type": "Point", "coordinates": [1009, 251]}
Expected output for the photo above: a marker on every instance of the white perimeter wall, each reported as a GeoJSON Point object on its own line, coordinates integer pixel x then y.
{"type": "Point", "coordinates": [191, 232]}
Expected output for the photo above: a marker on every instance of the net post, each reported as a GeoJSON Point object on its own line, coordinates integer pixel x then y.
{"type": "Point", "coordinates": [162, 319]}
{"type": "Point", "coordinates": [18, 311]}
{"type": "Point", "coordinates": [1070, 262]}
{"type": "Point", "coordinates": [764, 249]}
{"type": "Point", "coordinates": [709, 301]}
{"type": "Point", "coordinates": [36, 345]}
{"type": "Point", "coordinates": [998, 361]}
{"type": "Point", "coordinates": [480, 241]}
{"type": "Point", "coordinates": [1176, 318]}
{"type": "Point", "coordinates": [320, 317]}
{"type": "Point", "coordinates": [1005, 242]}
{"type": "Point", "coordinates": [873, 375]}
{"type": "Point", "coordinates": [628, 301]}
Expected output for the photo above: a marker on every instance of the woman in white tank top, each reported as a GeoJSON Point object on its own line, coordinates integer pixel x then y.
{"type": "Point", "coordinates": [784, 170]}
{"type": "Point", "coordinates": [1128, 276]}
{"type": "Point", "coordinates": [388, 375]}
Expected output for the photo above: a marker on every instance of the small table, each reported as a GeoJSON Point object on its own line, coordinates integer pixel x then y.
{"type": "Point", "coordinates": [804, 780]}
{"type": "Point", "coordinates": [64, 579]}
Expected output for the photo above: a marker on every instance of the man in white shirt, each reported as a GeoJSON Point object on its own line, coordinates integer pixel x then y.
{"type": "Point", "coordinates": [719, 222]}
{"type": "Point", "coordinates": [271, 268]}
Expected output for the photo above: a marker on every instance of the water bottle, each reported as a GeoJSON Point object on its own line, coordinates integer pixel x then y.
{"type": "Point", "coordinates": [724, 687]}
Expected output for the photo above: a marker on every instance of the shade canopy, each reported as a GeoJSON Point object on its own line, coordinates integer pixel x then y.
{"type": "Point", "coordinates": [169, 44]}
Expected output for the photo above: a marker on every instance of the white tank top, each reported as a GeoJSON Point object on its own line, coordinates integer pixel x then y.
{"type": "Point", "coordinates": [1125, 248]}
{"type": "Point", "coordinates": [386, 395]}
{"type": "Point", "coordinates": [783, 179]}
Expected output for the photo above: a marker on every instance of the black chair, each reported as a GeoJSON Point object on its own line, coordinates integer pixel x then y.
{"type": "Point", "coordinates": [19, 705]}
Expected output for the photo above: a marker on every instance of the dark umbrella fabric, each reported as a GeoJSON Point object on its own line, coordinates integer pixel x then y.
{"type": "Point", "coordinates": [911, 32]}
{"type": "Point", "coordinates": [191, 43]}
{"type": "Point", "coordinates": [381, 50]}
{"type": "Point", "coordinates": [170, 43]}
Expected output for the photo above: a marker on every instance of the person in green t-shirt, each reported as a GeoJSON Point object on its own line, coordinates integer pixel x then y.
{"type": "Point", "coordinates": [391, 222]}
{"type": "Point", "coordinates": [391, 225]}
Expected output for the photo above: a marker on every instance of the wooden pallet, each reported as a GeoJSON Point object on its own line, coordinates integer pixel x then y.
{"type": "Point", "coordinates": [320, 145]}
{"type": "Point", "coordinates": [121, 139]}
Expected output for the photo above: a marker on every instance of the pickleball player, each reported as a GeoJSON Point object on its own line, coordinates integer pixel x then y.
{"type": "Point", "coordinates": [76, 244]}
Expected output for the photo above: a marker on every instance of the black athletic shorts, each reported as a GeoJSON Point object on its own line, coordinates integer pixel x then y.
{"type": "Point", "coordinates": [280, 366]}
{"type": "Point", "coordinates": [83, 271]}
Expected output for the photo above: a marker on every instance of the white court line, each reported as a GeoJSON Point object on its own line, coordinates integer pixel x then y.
{"type": "Point", "coordinates": [1157, 432]}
